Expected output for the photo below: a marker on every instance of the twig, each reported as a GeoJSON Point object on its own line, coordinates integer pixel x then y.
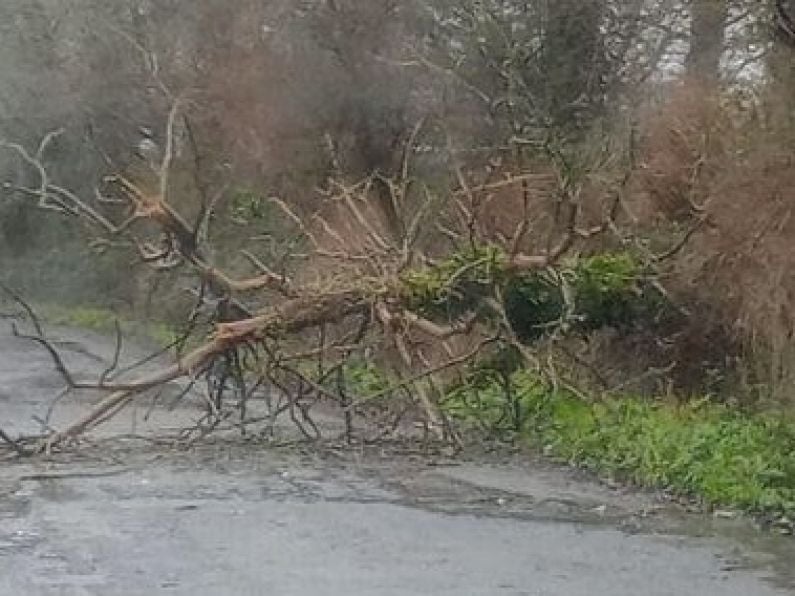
{"type": "Point", "coordinates": [12, 443]}
{"type": "Point", "coordinates": [28, 309]}
{"type": "Point", "coordinates": [56, 357]}
{"type": "Point", "coordinates": [116, 354]}
{"type": "Point", "coordinates": [676, 248]}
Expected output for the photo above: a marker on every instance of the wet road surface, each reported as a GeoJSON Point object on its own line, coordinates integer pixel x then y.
{"type": "Point", "coordinates": [128, 518]}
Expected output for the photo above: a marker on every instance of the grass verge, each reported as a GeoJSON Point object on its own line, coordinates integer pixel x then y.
{"type": "Point", "coordinates": [719, 454]}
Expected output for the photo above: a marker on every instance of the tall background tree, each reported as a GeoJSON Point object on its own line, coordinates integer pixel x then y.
{"type": "Point", "coordinates": [709, 19]}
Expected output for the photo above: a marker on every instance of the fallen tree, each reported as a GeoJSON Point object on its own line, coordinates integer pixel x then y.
{"type": "Point", "coordinates": [357, 286]}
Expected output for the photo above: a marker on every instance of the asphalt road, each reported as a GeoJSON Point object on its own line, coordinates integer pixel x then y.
{"type": "Point", "coordinates": [127, 518]}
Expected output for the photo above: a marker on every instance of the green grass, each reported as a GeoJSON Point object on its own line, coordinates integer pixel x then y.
{"type": "Point", "coordinates": [716, 453]}
{"type": "Point", "coordinates": [103, 320]}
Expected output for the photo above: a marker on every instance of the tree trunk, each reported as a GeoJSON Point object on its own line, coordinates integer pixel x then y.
{"type": "Point", "coordinates": [707, 39]}
{"type": "Point", "coordinates": [574, 60]}
{"type": "Point", "coordinates": [780, 61]}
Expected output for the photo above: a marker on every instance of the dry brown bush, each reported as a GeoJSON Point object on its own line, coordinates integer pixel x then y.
{"type": "Point", "coordinates": [682, 154]}
{"type": "Point", "coordinates": [712, 164]}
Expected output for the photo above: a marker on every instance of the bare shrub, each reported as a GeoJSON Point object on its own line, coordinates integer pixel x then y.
{"type": "Point", "coordinates": [682, 153]}
{"type": "Point", "coordinates": [713, 167]}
